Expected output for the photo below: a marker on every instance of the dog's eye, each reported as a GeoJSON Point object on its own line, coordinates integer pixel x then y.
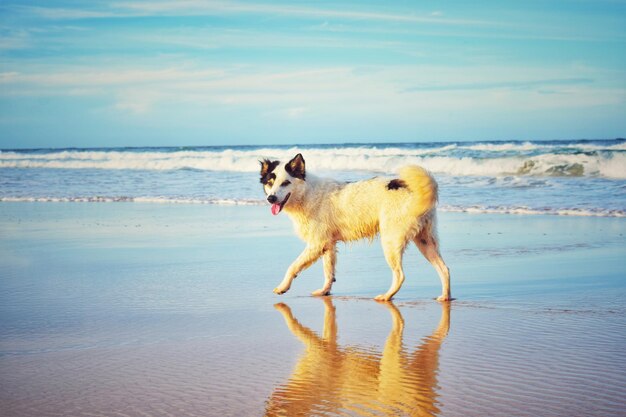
{"type": "Point", "coordinates": [285, 183]}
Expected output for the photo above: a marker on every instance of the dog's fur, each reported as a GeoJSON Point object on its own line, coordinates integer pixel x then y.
{"type": "Point", "coordinates": [325, 212]}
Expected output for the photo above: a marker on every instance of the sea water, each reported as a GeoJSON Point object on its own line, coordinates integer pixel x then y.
{"type": "Point", "coordinates": [575, 177]}
{"type": "Point", "coordinates": [134, 305]}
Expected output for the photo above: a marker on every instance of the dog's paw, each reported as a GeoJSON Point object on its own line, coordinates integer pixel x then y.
{"type": "Point", "coordinates": [279, 290]}
{"type": "Point", "coordinates": [443, 298]}
{"type": "Point", "coordinates": [320, 292]}
{"type": "Point", "coordinates": [382, 297]}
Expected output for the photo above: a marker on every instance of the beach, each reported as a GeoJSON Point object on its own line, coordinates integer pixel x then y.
{"type": "Point", "coordinates": [152, 151]}
{"type": "Point", "coordinates": [164, 309]}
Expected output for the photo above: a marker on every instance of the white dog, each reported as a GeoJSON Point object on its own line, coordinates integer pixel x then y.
{"type": "Point", "coordinates": [325, 212]}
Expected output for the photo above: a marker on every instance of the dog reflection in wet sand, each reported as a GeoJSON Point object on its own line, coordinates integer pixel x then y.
{"type": "Point", "coordinates": [356, 381]}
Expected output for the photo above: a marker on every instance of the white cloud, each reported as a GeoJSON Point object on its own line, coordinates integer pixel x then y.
{"type": "Point", "coordinates": [208, 39]}
{"type": "Point", "coordinates": [349, 92]}
{"type": "Point", "coordinates": [15, 39]}
{"type": "Point", "coordinates": [54, 13]}
{"type": "Point", "coordinates": [296, 112]}
{"type": "Point", "coordinates": [136, 107]}
{"type": "Point", "coordinates": [102, 77]}
{"type": "Point", "coordinates": [202, 7]}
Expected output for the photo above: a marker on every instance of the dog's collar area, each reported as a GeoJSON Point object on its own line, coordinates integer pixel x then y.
{"type": "Point", "coordinates": [277, 207]}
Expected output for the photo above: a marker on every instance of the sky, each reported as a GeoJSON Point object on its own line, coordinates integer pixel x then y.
{"type": "Point", "coordinates": [90, 73]}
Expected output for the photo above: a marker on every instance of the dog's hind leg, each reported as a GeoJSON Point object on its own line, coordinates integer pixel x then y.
{"type": "Point", "coordinates": [329, 258]}
{"type": "Point", "coordinates": [427, 243]}
{"type": "Point", "coordinates": [393, 249]}
{"type": "Point", "coordinates": [305, 260]}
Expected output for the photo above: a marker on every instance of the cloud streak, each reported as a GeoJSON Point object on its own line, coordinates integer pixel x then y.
{"type": "Point", "coordinates": [297, 94]}
{"type": "Point", "coordinates": [213, 8]}
{"type": "Point", "coordinates": [513, 85]}
{"type": "Point", "coordinates": [203, 7]}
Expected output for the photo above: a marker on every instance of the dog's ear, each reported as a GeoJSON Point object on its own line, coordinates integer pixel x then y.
{"type": "Point", "coordinates": [267, 167]}
{"type": "Point", "coordinates": [295, 167]}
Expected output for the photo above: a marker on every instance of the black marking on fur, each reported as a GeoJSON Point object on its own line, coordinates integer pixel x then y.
{"type": "Point", "coordinates": [267, 167]}
{"type": "Point", "coordinates": [295, 167]}
{"type": "Point", "coordinates": [424, 242]}
{"type": "Point", "coordinates": [396, 184]}
{"type": "Point", "coordinates": [268, 178]}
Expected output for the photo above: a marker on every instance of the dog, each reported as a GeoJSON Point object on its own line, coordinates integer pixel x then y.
{"type": "Point", "coordinates": [325, 211]}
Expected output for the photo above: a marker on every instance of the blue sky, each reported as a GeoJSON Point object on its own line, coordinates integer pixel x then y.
{"type": "Point", "coordinates": [80, 73]}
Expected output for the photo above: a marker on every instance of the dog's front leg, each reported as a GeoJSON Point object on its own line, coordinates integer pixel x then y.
{"type": "Point", "coordinates": [305, 260]}
{"type": "Point", "coordinates": [330, 258]}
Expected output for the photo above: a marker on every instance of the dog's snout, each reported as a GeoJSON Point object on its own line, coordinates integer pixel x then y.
{"type": "Point", "coordinates": [272, 199]}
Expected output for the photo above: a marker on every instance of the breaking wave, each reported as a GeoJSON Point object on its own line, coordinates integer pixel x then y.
{"type": "Point", "coordinates": [482, 159]}
{"type": "Point", "coordinates": [564, 178]}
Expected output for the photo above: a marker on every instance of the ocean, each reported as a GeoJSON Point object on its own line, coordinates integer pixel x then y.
{"type": "Point", "coordinates": [568, 177]}
{"type": "Point", "coordinates": [139, 282]}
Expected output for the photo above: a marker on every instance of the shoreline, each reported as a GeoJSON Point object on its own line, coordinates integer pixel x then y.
{"type": "Point", "coordinates": [572, 212]}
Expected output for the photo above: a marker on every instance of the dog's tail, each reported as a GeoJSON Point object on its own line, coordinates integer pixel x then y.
{"type": "Point", "coordinates": [423, 185]}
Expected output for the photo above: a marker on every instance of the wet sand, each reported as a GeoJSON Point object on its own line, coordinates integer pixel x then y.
{"type": "Point", "coordinates": [167, 310]}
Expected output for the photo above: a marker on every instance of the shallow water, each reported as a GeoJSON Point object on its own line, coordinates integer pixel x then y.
{"type": "Point", "coordinates": [167, 310]}
{"type": "Point", "coordinates": [569, 177]}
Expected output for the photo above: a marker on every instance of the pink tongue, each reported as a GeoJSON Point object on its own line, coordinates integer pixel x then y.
{"type": "Point", "coordinates": [275, 209]}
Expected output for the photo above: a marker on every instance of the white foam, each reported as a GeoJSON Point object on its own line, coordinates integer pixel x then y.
{"type": "Point", "coordinates": [502, 147]}
{"type": "Point", "coordinates": [370, 159]}
{"type": "Point", "coordinates": [531, 211]}
{"type": "Point", "coordinates": [146, 200]}
{"type": "Point", "coordinates": [474, 209]}
{"type": "Point", "coordinates": [529, 146]}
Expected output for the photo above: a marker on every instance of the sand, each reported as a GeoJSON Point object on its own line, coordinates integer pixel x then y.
{"type": "Point", "coordinates": [167, 310]}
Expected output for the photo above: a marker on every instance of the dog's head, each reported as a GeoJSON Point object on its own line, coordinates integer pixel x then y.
{"type": "Point", "coordinates": [280, 180]}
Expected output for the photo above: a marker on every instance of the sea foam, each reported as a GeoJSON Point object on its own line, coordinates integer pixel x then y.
{"type": "Point", "coordinates": [472, 209]}
{"type": "Point", "coordinates": [575, 178]}
{"type": "Point", "coordinates": [469, 160]}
